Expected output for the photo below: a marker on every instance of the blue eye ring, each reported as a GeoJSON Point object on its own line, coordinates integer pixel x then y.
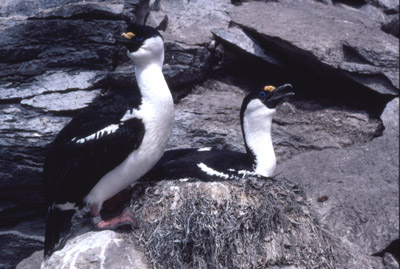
{"type": "Point", "coordinates": [139, 38]}
{"type": "Point", "coordinates": [262, 94]}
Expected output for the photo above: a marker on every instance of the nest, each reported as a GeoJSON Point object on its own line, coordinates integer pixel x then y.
{"type": "Point", "coordinates": [248, 223]}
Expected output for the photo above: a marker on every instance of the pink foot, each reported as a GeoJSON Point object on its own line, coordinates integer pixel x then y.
{"type": "Point", "coordinates": [124, 219]}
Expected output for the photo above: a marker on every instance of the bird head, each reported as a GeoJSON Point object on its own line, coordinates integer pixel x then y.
{"type": "Point", "coordinates": [143, 43]}
{"type": "Point", "coordinates": [266, 99]}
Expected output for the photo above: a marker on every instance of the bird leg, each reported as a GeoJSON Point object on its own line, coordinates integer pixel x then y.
{"type": "Point", "coordinates": [124, 219]}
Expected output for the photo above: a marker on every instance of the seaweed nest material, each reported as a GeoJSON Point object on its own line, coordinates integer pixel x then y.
{"type": "Point", "coordinates": [247, 223]}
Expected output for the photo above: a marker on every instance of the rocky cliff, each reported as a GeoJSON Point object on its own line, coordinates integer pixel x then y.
{"type": "Point", "coordinates": [338, 138]}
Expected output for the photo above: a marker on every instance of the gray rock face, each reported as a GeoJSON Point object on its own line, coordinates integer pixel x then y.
{"type": "Point", "coordinates": [355, 191]}
{"type": "Point", "coordinates": [322, 37]}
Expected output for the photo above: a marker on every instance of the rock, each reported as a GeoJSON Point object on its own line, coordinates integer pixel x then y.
{"type": "Point", "coordinates": [385, 4]}
{"type": "Point", "coordinates": [390, 262]}
{"type": "Point", "coordinates": [390, 118]}
{"type": "Point", "coordinates": [57, 102]}
{"type": "Point", "coordinates": [11, 255]}
{"type": "Point", "coordinates": [189, 48]}
{"type": "Point", "coordinates": [184, 20]}
{"type": "Point", "coordinates": [98, 249]}
{"type": "Point", "coordinates": [392, 27]}
{"type": "Point", "coordinates": [32, 262]}
{"type": "Point", "coordinates": [374, 13]}
{"type": "Point", "coordinates": [339, 43]}
{"type": "Point", "coordinates": [51, 82]}
{"type": "Point", "coordinates": [239, 40]}
{"type": "Point", "coordinates": [209, 117]}
{"type": "Point", "coordinates": [333, 177]}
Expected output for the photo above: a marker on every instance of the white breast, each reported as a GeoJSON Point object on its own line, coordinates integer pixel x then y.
{"type": "Point", "coordinates": [157, 115]}
{"type": "Point", "coordinates": [257, 123]}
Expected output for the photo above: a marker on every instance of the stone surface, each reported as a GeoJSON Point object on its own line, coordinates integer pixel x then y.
{"type": "Point", "coordinates": [338, 43]}
{"type": "Point", "coordinates": [32, 262]}
{"type": "Point", "coordinates": [98, 250]}
{"type": "Point", "coordinates": [355, 191]}
{"type": "Point", "coordinates": [237, 38]}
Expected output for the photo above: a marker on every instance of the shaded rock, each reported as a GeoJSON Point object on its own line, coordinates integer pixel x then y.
{"type": "Point", "coordinates": [72, 44]}
{"type": "Point", "coordinates": [339, 43]}
{"type": "Point", "coordinates": [239, 40]}
{"type": "Point", "coordinates": [355, 191]}
{"type": "Point", "coordinates": [392, 27]}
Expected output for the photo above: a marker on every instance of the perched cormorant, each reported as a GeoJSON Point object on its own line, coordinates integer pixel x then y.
{"type": "Point", "coordinates": [111, 143]}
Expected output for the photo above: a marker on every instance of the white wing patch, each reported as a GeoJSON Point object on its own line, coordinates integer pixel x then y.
{"type": "Point", "coordinates": [129, 114]}
{"type": "Point", "coordinates": [246, 173]}
{"type": "Point", "coordinates": [204, 149]}
{"type": "Point", "coordinates": [105, 131]}
{"type": "Point", "coordinates": [211, 172]}
{"type": "Point", "coordinates": [67, 206]}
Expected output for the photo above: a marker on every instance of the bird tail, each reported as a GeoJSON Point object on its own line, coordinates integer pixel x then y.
{"type": "Point", "coordinates": [58, 225]}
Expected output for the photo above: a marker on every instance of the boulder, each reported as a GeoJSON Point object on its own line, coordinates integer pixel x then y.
{"type": "Point", "coordinates": [98, 250]}
{"type": "Point", "coordinates": [355, 190]}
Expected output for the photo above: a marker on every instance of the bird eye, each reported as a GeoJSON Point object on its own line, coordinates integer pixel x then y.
{"type": "Point", "coordinates": [262, 94]}
{"type": "Point", "coordinates": [139, 38]}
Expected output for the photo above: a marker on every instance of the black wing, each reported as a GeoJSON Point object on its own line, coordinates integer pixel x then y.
{"type": "Point", "coordinates": [74, 165]}
{"type": "Point", "coordinates": [184, 163]}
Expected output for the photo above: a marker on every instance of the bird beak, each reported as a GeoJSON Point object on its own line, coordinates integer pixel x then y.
{"type": "Point", "coordinates": [280, 94]}
{"type": "Point", "coordinates": [117, 39]}
{"type": "Point", "coordinates": [127, 40]}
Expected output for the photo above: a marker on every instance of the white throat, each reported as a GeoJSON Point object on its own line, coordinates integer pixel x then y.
{"type": "Point", "coordinates": [257, 120]}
